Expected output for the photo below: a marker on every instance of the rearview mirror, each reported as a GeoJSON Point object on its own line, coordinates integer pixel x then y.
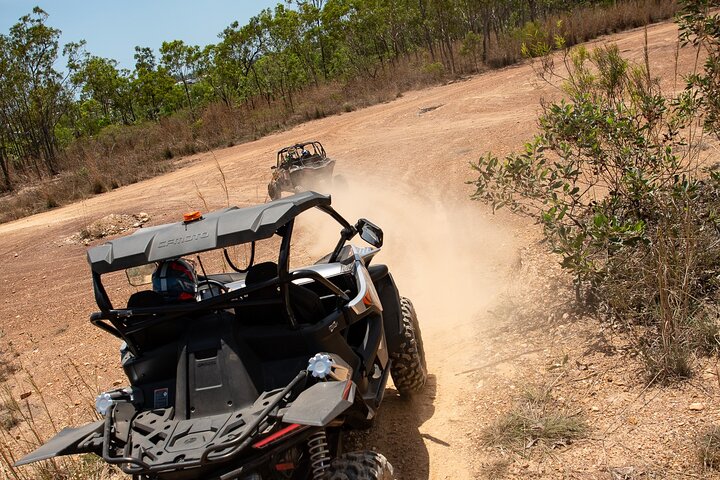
{"type": "Point", "coordinates": [273, 167]}
{"type": "Point", "coordinates": [139, 276]}
{"type": "Point", "coordinates": [370, 232]}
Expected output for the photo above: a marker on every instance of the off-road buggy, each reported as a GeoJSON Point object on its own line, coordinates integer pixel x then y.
{"type": "Point", "coordinates": [259, 372]}
{"type": "Point", "coordinates": [303, 166]}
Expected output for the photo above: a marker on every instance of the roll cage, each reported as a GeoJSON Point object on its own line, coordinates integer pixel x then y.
{"type": "Point", "coordinates": [217, 230]}
{"type": "Point", "coordinates": [293, 154]}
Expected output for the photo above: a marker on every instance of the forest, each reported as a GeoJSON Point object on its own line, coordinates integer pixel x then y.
{"type": "Point", "coordinates": [256, 78]}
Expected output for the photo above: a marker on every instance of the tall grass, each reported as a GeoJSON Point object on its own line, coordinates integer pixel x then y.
{"type": "Point", "coordinates": [22, 427]}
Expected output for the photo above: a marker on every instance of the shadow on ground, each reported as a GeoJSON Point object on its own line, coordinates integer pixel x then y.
{"type": "Point", "coordinates": [396, 432]}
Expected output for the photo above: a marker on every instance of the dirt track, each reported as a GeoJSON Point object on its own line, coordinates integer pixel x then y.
{"type": "Point", "coordinates": [406, 169]}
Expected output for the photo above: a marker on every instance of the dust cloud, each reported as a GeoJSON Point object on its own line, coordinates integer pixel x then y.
{"type": "Point", "coordinates": [454, 261]}
{"type": "Point", "coordinates": [445, 253]}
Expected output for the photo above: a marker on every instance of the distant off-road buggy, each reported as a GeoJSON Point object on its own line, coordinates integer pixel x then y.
{"type": "Point", "coordinates": [251, 374]}
{"type": "Point", "coordinates": [303, 166]}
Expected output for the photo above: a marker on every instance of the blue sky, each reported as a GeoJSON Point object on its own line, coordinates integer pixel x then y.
{"type": "Point", "coordinates": [112, 29]}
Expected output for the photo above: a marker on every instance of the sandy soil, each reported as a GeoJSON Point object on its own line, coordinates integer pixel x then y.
{"type": "Point", "coordinates": [481, 284]}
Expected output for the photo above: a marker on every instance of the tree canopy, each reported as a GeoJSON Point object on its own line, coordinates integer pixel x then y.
{"type": "Point", "coordinates": [279, 52]}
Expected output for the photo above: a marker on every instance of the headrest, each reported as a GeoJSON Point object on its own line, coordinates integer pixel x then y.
{"type": "Point", "coordinates": [261, 272]}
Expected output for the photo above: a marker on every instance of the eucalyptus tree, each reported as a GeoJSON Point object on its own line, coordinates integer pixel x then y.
{"type": "Point", "coordinates": [208, 70]}
{"type": "Point", "coordinates": [231, 63]}
{"type": "Point", "coordinates": [283, 66]}
{"type": "Point", "coordinates": [446, 29]}
{"type": "Point", "coordinates": [182, 62]}
{"type": "Point", "coordinates": [7, 140]}
{"type": "Point", "coordinates": [366, 31]}
{"type": "Point", "coordinates": [311, 40]}
{"type": "Point", "coordinates": [108, 86]}
{"type": "Point", "coordinates": [152, 84]}
{"type": "Point", "coordinates": [33, 95]}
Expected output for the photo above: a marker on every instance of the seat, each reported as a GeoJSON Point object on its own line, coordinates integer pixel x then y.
{"type": "Point", "coordinates": [261, 272]}
{"type": "Point", "coordinates": [228, 277]}
{"type": "Point", "coordinates": [145, 299]}
{"type": "Point", "coordinates": [156, 335]}
{"type": "Point", "coordinates": [306, 304]}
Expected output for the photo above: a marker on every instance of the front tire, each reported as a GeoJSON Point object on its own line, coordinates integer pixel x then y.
{"type": "Point", "coordinates": [360, 466]}
{"type": "Point", "coordinates": [409, 368]}
{"type": "Point", "coordinates": [273, 191]}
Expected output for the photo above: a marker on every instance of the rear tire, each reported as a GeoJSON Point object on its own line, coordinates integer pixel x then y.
{"type": "Point", "coordinates": [360, 466]}
{"type": "Point", "coordinates": [409, 369]}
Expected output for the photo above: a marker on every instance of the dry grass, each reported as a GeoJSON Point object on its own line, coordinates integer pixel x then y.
{"type": "Point", "coordinates": [536, 419]}
{"type": "Point", "coordinates": [579, 26]}
{"type": "Point", "coordinates": [7, 366]}
{"type": "Point", "coordinates": [20, 432]}
{"type": "Point", "coordinates": [709, 448]}
{"type": "Point", "coordinates": [9, 410]}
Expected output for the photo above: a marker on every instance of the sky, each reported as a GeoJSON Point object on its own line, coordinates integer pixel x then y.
{"type": "Point", "coordinates": [112, 29]}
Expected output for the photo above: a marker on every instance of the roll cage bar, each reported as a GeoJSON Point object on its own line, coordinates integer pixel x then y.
{"type": "Point", "coordinates": [110, 319]}
{"type": "Point", "coordinates": [294, 151]}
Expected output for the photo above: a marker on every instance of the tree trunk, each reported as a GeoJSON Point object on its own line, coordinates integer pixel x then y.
{"type": "Point", "coordinates": [259, 87]}
{"type": "Point", "coordinates": [49, 148]}
{"type": "Point", "coordinates": [428, 37]}
{"type": "Point", "coordinates": [4, 167]}
{"type": "Point", "coordinates": [187, 94]}
{"type": "Point", "coordinates": [532, 5]}
{"type": "Point", "coordinates": [451, 56]}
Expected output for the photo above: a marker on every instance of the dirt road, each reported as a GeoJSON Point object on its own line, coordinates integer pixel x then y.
{"type": "Point", "coordinates": [406, 162]}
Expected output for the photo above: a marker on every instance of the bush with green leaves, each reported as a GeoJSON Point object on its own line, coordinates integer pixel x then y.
{"type": "Point", "coordinates": [616, 179]}
{"type": "Point", "coordinates": [699, 23]}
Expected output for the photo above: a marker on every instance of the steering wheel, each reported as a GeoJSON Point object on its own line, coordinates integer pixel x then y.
{"type": "Point", "coordinates": [209, 283]}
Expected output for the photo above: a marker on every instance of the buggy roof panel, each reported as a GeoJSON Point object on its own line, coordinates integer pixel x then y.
{"type": "Point", "coordinates": [219, 229]}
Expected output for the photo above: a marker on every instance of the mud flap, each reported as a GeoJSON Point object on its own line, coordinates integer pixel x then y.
{"type": "Point", "coordinates": [321, 404]}
{"type": "Point", "coordinates": [390, 299]}
{"type": "Point", "coordinates": [68, 442]}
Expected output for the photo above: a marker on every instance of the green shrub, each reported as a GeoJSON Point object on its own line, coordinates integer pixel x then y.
{"type": "Point", "coordinates": [434, 69]}
{"type": "Point", "coordinates": [614, 179]}
{"type": "Point", "coordinates": [699, 23]}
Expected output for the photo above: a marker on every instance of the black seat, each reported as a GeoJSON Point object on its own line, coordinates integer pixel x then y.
{"type": "Point", "coordinates": [261, 272]}
{"type": "Point", "coordinates": [145, 299]}
{"type": "Point", "coordinates": [155, 335]}
{"type": "Point", "coordinates": [228, 277]}
{"type": "Point", "coordinates": [306, 304]}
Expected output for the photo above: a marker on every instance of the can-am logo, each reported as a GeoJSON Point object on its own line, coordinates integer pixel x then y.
{"type": "Point", "coordinates": [181, 240]}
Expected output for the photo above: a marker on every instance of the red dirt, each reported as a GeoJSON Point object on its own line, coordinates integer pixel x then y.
{"type": "Point", "coordinates": [461, 265]}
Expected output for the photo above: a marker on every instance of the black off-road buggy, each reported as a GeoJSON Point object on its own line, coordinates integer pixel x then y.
{"type": "Point", "coordinates": [303, 166]}
{"type": "Point", "coordinates": [257, 375]}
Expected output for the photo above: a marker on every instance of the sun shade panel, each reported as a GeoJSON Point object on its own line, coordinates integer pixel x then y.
{"type": "Point", "coordinates": [220, 229]}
